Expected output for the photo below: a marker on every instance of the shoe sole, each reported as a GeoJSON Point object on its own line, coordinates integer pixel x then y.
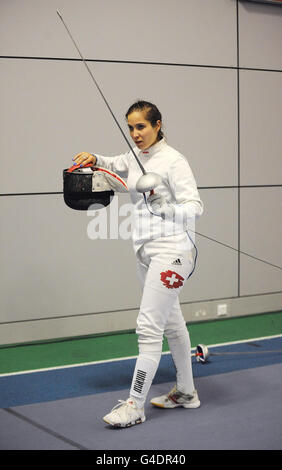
{"type": "Point", "coordinates": [128, 425]}
{"type": "Point", "coordinates": [177, 405]}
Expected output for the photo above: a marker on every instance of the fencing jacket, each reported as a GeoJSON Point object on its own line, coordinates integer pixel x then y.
{"type": "Point", "coordinates": [178, 187]}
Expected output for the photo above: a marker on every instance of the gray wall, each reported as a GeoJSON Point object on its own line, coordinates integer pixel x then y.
{"type": "Point", "coordinates": [214, 70]}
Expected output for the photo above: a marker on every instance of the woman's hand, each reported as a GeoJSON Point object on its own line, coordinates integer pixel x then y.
{"type": "Point", "coordinates": [84, 158]}
{"type": "Point", "coordinates": [161, 207]}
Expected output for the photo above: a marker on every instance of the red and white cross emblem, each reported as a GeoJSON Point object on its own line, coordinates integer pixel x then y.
{"type": "Point", "coordinates": [171, 279]}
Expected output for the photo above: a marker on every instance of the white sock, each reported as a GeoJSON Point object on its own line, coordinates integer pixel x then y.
{"type": "Point", "coordinates": [180, 347]}
{"type": "Point", "coordinates": [145, 370]}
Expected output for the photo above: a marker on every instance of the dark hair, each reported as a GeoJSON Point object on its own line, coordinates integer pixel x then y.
{"type": "Point", "coordinates": [153, 114]}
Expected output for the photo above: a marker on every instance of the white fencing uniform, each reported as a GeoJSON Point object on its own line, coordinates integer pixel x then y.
{"type": "Point", "coordinates": [164, 261]}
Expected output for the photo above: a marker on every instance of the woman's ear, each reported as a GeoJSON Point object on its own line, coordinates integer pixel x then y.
{"type": "Point", "coordinates": [159, 124]}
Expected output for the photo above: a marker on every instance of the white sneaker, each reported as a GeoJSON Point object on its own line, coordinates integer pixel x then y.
{"type": "Point", "coordinates": [125, 414]}
{"type": "Point", "coordinates": [176, 398]}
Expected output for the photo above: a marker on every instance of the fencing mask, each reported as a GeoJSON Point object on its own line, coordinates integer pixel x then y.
{"type": "Point", "coordinates": [90, 185]}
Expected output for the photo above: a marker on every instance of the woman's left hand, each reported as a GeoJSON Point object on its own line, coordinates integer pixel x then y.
{"type": "Point", "coordinates": [84, 158]}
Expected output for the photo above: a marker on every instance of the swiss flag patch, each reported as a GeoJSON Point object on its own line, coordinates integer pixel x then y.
{"type": "Point", "coordinates": [171, 279]}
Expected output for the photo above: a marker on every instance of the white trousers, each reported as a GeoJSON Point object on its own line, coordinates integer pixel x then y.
{"type": "Point", "coordinates": [163, 266]}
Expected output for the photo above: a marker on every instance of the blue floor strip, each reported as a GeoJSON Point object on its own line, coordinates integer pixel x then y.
{"type": "Point", "coordinates": [51, 385]}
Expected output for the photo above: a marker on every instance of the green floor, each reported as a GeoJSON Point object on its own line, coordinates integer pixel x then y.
{"type": "Point", "coordinates": [62, 352]}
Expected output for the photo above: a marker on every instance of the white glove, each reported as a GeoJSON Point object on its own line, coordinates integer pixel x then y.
{"type": "Point", "coordinates": [161, 207]}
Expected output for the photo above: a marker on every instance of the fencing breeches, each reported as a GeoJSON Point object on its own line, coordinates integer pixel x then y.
{"type": "Point", "coordinates": [163, 265]}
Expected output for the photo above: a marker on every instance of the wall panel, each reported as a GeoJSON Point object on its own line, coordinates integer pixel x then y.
{"type": "Point", "coordinates": [260, 36]}
{"type": "Point", "coordinates": [261, 235]}
{"type": "Point", "coordinates": [53, 111]}
{"type": "Point", "coordinates": [160, 31]}
{"type": "Point", "coordinates": [260, 127]}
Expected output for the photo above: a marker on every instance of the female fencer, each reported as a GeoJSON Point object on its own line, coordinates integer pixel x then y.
{"type": "Point", "coordinates": [164, 252]}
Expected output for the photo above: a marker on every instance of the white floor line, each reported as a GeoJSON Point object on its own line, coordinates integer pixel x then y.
{"type": "Point", "coordinates": [84, 364]}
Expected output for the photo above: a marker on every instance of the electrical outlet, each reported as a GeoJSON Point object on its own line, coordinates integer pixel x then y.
{"type": "Point", "coordinates": [221, 310]}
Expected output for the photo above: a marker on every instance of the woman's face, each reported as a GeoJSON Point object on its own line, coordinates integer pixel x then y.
{"type": "Point", "coordinates": [141, 130]}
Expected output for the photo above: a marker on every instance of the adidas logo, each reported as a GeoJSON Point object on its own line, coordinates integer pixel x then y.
{"type": "Point", "coordinates": [177, 261]}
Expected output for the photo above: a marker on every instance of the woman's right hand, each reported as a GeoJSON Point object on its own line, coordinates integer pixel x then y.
{"type": "Point", "coordinates": [84, 158]}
